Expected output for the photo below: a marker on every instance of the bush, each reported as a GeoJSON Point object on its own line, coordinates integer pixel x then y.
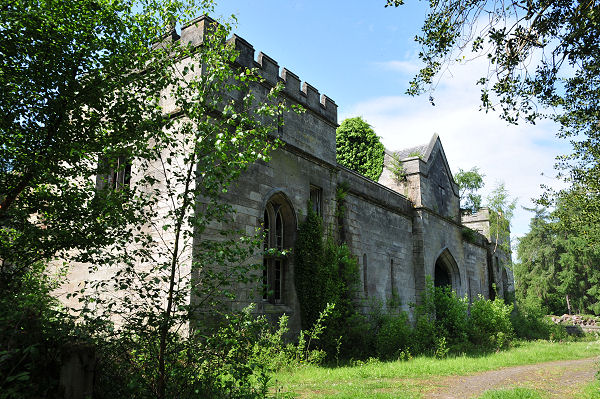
{"type": "Point", "coordinates": [444, 324]}
{"type": "Point", "coordinates": [236, 361]}
{"type": "Point", "coordinates": [359, 338]}
{"type": "Point", "coordinates": [451, 316]}
{"type": "Point", "coordinates": [491, 327]}
{"type": "Point", "coordinates": [33, 334]}
{"type": "Point", "coordinates": [529, 322]}
{"type": "Point", "coordinates": [393, 336]}
{"type": "Point", "coordinates": [326, 272]}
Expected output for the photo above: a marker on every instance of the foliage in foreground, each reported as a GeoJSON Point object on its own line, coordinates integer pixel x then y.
{"type": "Point", "coordinates": [33, 336]}
{"type": "Point", "coordinates": [85, 95]}
{"type": "Point", "coordinates": [236, 361]}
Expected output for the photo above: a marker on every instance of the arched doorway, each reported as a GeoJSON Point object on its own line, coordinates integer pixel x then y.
{"type": "Point", "coordinates": [446, 271]}
{"type": "Point", "coordinates": [442, 278]}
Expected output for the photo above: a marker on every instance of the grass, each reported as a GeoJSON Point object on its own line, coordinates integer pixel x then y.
{"type": "Point", "coordinates": [408, 379]}
{"type": "Point", "coordinates": [516, 393]}
{"type": "Point", "coordinates": [590, 391]}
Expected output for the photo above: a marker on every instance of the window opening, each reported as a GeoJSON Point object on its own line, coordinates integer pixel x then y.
{"type": "Point", "coordinates": [392, 279]}
{"type": "Point", "coordinates": [277, 232]}
{"type": "Point", "coordinates": [316, 199]}
{"type": "Point", "coordinates": [114, 175]}
{"type": "Point", "coordinates": [365, 285]}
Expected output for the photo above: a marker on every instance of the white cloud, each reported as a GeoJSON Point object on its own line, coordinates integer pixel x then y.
{"type": "Point", "coordinates": [516, 155]}
{"type": "Point", "coordinates": [403, 67]}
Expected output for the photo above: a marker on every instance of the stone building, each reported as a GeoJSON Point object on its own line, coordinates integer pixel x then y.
{"type": "Point", "coordinates": [401, 228]}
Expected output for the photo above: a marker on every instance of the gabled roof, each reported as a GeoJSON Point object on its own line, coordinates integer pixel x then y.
{"type": "Point", "coordinates": [426, 151]}
{"type": "Point", "coordinates": [423, 149]}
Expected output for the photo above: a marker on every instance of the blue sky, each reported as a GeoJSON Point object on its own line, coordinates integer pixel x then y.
{"type": "Point", "coordinates": [363, 55]}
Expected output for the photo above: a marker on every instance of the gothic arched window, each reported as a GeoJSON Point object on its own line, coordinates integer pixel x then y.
{"type": "Point", "coordinates": [279, 227]}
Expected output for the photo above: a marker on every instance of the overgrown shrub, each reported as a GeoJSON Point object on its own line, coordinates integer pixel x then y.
{"type": "Point", "coordinates": [452, 314]}
{"type": "Point", "coordinates": [33, 334]}
{"type": "Point", "coordinates": [359, 338]}
{"type": "Point", "coordinates": [446, 323]}
{"type": "Point", "coordinates": [325, 272]}
{"type": "Point", "coordinates": [236, 361]}
{"type": "Point", "coordinates": [233, 362]}
{"type": "Point", "coordinates": [424, 333]}
{"type": "Point", "coordinates": [393, 336]}
{"type": "Point", "coordinates": [491, 327]}
{"type": "Point", "coordinates": [309, 277]}
{"type": "Point", "coordinates": [343, 270]}
{"type": "Point", "coordinates": [528, 324]}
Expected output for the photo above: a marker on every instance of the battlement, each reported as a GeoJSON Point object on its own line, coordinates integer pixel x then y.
{"type": "Point", "coordinates": [306, 95]}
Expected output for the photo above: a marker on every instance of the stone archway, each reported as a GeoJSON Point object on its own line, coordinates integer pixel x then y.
{"type": "Point", "coordinates": [446, 271]}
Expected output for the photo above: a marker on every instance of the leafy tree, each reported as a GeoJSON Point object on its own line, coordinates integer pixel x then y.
{"type": "Point", "coordinates": [557, 269]}
{"type": "Point", "coordinates": [537, 270]}
{"type": "Point", "coordinates": [96, 89]}
{"type": "Point", "coordinates": [469, 182]}
{"type": "Point", "coordinates": [176, 267]}
{"type": "Point", "coordinates": [575, 221]}
{"type": "Point", "coordinates": [81, 81]}
{"type": "Point", "coordinates": [501, 208]}
{"type": "Point", "coordinates": [359, 148]}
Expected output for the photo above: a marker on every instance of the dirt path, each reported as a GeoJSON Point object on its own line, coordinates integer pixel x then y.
{"type": "Point", "coordinates": [559, 379]}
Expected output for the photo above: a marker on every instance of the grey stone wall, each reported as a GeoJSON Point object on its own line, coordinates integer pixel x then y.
{"type": "Point", "coordinates": [379, 224]}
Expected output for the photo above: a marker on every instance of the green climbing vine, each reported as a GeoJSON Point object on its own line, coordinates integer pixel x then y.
{"type": "Point", "coordinates": [325, 272]}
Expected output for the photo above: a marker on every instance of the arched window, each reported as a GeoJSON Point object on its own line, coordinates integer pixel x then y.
{"type": "Point", "coordinates": [279, 228]}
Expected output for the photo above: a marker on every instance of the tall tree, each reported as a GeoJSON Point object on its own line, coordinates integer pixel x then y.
{"type": "Point", "coordinates": [359, 148]}
{"type": "Point", "coordinates": [558, 263]}
{"type": "Point", "coordinates": [501, 208]}
{"type": "Point", "coordinates": [469, 182]}
{"type": "Point", "coordinates": [116, 143]}
{"type": "Point", "coordinates": [537, 270]}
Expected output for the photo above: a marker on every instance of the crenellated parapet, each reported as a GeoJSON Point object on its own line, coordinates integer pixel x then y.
{"type": "Point", "coordinates": [304, 94]}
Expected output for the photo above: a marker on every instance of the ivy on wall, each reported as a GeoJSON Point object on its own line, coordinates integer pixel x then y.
{"type": "Point", "coordinates": [325, 272]}
{"type": "Point", "coordinates": [308, 273]}
{"type": "Point", "coordinates": [359, 148]}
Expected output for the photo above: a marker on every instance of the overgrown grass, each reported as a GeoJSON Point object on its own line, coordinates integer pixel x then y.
{"type": "Point", "coordinates": [516, 393]}
{"type": "Point", "coordinates": [407, 379]}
